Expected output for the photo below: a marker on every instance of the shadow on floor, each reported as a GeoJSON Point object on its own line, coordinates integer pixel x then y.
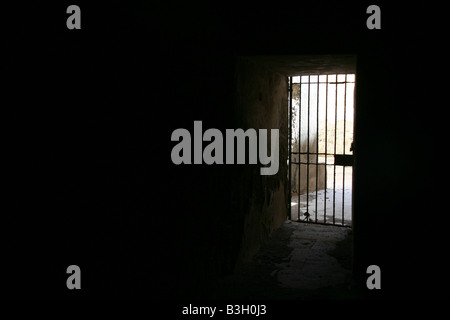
{"type": "Point", "coordinates": [299, 261]}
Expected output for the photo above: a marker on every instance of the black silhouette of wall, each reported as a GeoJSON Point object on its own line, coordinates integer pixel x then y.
{"type": "Point", "coordinates": [89, 117]}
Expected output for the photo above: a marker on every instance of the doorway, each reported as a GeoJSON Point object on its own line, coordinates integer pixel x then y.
{"type": "Point", "coordinates": [321, 117]}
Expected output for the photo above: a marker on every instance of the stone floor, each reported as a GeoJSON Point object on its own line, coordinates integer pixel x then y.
{"type": "Point", "coordinates": [324, 206]}
{"type": "Point", "coordinates": [300, 261]}
{"type": "Point", "coordinates": [327, 202]}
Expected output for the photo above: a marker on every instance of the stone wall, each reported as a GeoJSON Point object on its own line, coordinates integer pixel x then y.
{"type": "Point", "coordinates": [310, 175]}
{"type": "Point", "coordinates": [261, 103]}
{"type": "Point", "coordinates": [307, 177]}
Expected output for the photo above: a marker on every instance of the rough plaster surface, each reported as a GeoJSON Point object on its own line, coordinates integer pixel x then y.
{"type": "Point", "coordinates": [261, 104]}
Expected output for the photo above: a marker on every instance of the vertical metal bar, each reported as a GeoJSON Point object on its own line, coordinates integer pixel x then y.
{"type": "Point", "coordinates": [326, 154]}
{"type": "Point", "coordinates": [353, 106]}
{"type": "Point", "coordinates": [343, 168]}
{"type": "Point", "coordinates": [317, 145]}
{"type": "Point", "coordinates": [299, 143]}
{"type": "Point", "coordinates": [307, 155]}
{"type": "Point", "coordinates": [290, 148]}
{"type": "Point", "coordinates": [334, 162]}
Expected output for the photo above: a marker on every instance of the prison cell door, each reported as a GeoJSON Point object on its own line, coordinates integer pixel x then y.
{"type": "Point", "coordinates": [320, 148]}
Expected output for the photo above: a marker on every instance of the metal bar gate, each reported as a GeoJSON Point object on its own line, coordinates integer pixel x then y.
{"type": "Point", "coordinates": [320, 148]}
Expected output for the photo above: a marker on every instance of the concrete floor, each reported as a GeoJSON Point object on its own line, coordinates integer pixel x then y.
{"type": "Point", "coordinates": [342, 192]}
{"type": "Point", "coordinates": [324, 202]}
{"type": "Point", "coordinates": [300, 261]}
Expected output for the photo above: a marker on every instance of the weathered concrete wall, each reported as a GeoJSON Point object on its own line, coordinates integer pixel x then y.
{"type": "Point", "coordinates": [261, 103]}
{"type": "Point", "coordinates": [309, 178]}
{"type": "Point", "coordinates": [310, 175]}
